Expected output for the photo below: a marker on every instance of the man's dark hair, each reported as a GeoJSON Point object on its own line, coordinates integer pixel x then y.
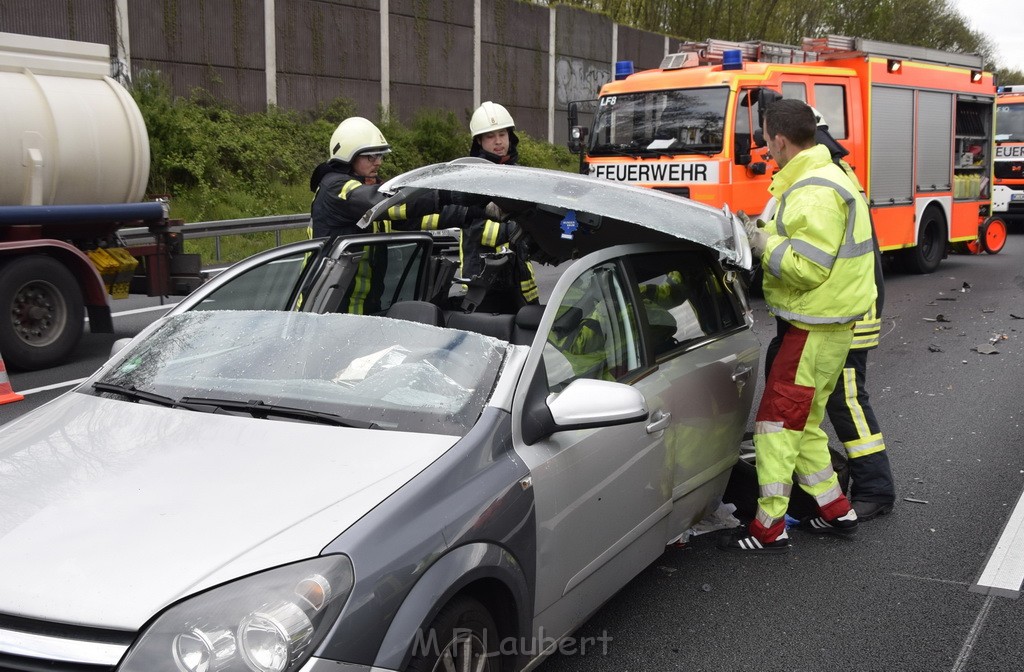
{"type": "Point", "coordinates": [793, 119]}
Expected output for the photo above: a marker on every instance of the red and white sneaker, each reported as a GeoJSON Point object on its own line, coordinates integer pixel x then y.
{"type": "Point", "coordinates": [745, 542]}
{"type": "Point", "coordinates": [843, 526]}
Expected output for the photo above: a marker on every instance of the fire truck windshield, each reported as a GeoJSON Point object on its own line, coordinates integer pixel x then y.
{"type": "Point", "coordinates": [1010, 122]}
{"type": "Point", "coordinates": [660, 123]}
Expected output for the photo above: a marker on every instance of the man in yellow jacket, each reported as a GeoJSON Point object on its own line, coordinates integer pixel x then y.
{"type": "Point", "coordinates": [817, 256]}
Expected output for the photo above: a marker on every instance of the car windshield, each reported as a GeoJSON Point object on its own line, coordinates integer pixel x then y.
{"type": "Point", "coordinates": [352, 370]}
{"type": "Point", "coordinates": [660, 123]}
{"type": "Point", "coordinates": [1010, 122]}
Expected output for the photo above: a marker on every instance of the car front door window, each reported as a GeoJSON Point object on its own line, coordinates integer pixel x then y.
{"type": "Point", "coordinates": [594, 334]}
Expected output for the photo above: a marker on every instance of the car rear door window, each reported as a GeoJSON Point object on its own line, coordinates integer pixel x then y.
{"type": "Point", "coordinates": [684, 297]}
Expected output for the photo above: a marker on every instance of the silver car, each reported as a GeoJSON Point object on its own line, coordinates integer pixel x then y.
{"type": "Point", "coordinates": [269, 480]}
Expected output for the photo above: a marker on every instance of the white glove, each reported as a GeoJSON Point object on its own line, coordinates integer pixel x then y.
{"type": "Point", "coordinates": [758, 239]}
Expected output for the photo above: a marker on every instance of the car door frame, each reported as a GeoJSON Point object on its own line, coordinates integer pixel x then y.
{"type": "Point", "coordinates": [321, 249]}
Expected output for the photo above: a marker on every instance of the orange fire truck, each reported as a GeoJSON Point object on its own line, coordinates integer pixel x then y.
{"type": "Point", "coordinates": [918, 124]}
{"type": "Point", "coordinates": [1008, 189]}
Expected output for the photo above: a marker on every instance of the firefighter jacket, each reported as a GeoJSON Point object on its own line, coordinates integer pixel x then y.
{"type": "Point", "coordinates": [341, 199]}
{"type": "Point", "coordinates": [818, 261]}
{"type": "Point", "coordinates": [867, 330]}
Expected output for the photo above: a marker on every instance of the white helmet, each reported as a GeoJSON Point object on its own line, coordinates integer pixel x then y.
{"type": "Point", "coordinates": [490, 117]}
{"type": "Point", "coordinates": [356, 136]}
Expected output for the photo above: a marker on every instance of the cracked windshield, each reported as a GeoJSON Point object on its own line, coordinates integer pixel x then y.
{"type": "Point", "coordinates": [348, 370]}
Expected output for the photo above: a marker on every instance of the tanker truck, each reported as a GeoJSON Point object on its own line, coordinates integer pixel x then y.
{"type": "Point", "coordinates": [74, 164]}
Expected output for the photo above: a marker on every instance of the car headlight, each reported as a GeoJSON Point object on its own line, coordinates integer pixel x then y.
{"type": "Point", "coordinates": [267, 622]}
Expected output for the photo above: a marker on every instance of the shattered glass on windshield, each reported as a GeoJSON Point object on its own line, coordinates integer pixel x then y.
{"type": "Point", "coordinates": [360, 371]}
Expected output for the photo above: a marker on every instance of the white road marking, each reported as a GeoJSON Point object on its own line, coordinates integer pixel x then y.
{"type": "Point", "coordinates": [134, 311]}
{"type": "Point", "coordinates": [1004, 572]}
{"type": "Point", "coordinates": [54, 386]}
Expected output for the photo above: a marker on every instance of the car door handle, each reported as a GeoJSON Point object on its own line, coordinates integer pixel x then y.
{"type": "Point", "coordinates": [660, 422]}
{"type": "Point", "coordinates": [742, 373]}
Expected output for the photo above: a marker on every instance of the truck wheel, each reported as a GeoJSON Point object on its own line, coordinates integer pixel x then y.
{"type": "Point", "coordinates": [931, 244]}
{"type": "Point", "coordinates": [463, 636]}
{"type": "Point", "coordinates": [41, 312]}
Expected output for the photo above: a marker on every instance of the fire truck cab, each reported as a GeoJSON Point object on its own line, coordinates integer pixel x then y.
{"type": "Point", "coordinates": [1008, 188]}
{"type": "Point", "coordinates": [918, 124]}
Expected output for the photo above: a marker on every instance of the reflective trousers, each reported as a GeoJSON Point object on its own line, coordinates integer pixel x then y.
{"type": "Point", "coordinates": [788, 437]}
{"type": "Point", "coordinates": [850, 412]}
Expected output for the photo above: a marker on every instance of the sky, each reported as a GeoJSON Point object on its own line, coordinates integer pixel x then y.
{"type": "Point", "coordinates": [1002, 21]}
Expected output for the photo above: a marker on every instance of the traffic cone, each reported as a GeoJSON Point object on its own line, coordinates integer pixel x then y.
{"type": "Point", "coordinates": [7, 393]}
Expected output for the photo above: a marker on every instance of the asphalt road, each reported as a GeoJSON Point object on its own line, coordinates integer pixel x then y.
{"type": "Point", "coordinates": [898, 596]}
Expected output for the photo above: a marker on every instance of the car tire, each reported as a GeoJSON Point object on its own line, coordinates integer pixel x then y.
{"type": "Point", "coordinates": [42, 312]}
{"type": "Point", "coordinates": [463, 636]}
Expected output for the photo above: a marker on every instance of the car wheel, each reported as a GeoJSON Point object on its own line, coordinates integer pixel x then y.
{"type": "Point", "coordinates": [931, 244]}
{"type": "Point", "coordinates": [463, 636]}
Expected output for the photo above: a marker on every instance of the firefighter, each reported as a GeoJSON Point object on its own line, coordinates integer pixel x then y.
{"type": "Point", "coordinates": [346, 186]}
{"type": "Point", "coordinates": [817, 255]}
{"type": "Point", "coordinates": [495, 139]}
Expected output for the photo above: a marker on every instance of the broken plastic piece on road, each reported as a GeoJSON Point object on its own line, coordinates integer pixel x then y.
{"type": "Point", "coordinates": [985, 349]}
{"type": "Point", "coordinates": [915, 501]}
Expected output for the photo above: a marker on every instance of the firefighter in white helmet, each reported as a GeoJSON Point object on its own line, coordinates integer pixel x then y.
{"type": "Point", "coordinates": [494, 139]}
{"type": "Point", "coordinates": [346, 186]}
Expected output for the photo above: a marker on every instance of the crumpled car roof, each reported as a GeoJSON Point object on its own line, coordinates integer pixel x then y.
{"type": "Point", "coordinates": [606, 213]}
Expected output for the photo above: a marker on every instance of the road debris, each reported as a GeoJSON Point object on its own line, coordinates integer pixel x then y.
{"type": "Point", "coordinates": [915, 501]}
{"type": "Point", "coordinates": [1017, 317]}
{"type": "Point", "coordinates": [985, 349]}
{"type": "Point", "coordinates": [934, 348]}
{"type": "Point", "coordinates": [938, 318]}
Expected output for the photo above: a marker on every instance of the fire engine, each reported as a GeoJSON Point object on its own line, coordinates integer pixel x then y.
{"type": "Point", "coordinates": [918, 124]}
{"type": "Point", "coordinates": [1008, 188]}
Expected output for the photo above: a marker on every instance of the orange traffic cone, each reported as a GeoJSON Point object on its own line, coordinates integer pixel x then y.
{"type": "Point", "coordinates": [7, 393]}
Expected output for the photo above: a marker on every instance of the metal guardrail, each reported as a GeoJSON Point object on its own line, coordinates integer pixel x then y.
{"type": "Point", "coordinates": [229, 227]}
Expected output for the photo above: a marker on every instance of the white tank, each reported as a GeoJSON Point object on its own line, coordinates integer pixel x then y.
{"type": "Point", "coordinates": [69, 134]}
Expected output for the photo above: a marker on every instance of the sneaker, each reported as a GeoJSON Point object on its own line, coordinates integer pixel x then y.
{"type": "Point", "coordinates": [869, 510]}
{"type": "Point", "coordinates": [745, 542]}
{"type": "Point", "coordinates": [843, 526]}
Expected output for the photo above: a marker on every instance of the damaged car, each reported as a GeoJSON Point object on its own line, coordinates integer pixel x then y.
{"type": "Point", "coordinates": [319, 461]}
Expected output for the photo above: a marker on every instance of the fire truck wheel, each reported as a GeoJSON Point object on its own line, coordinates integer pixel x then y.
{"type": "Point", "coordinates": [931, 243]}
{"type": "Point", "coordinates": [41, 310]}
{"type": "Point", "coordinates": [993, 235]}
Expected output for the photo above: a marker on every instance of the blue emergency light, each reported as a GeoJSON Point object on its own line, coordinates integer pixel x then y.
{"type": "Point", "coordinates": [623, 69]}
{"type": "Point", "coordinates": [732, 59]}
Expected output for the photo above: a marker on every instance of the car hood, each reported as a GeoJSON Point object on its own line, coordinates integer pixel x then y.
{"type": "Point", "coordinates": [607, 213]}
{"type": "Point", "coordinates": [110, 511]}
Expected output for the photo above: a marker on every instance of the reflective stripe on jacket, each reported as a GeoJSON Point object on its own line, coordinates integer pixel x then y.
{"type": "Point", "coordinates": [819, 257]}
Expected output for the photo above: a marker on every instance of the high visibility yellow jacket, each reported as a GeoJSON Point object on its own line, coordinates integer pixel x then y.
{"type": "Point", "coordinates": [818, 262]}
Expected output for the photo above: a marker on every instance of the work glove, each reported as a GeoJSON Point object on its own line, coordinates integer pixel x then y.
{"type": "Point", "coordinates": [757, 237]}
{"type": "Point", "coordinates": [494, 212]}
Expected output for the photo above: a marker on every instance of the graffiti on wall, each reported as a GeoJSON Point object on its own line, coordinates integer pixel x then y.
{"type": "Point", "coordinates": [576, 79]}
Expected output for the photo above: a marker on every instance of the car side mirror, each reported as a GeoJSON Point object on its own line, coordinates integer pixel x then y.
{"type": "Point", "coordinates": [583, 404]}
{"type": "Point", "coordinates": [118, 346]}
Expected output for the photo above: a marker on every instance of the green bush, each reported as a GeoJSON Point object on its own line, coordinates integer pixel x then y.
{"type": "Point", "coordinates": [215, 163]}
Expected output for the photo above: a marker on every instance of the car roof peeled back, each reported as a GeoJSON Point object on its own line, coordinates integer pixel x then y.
{"type": "Point", "coordinates": [570, 215]}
